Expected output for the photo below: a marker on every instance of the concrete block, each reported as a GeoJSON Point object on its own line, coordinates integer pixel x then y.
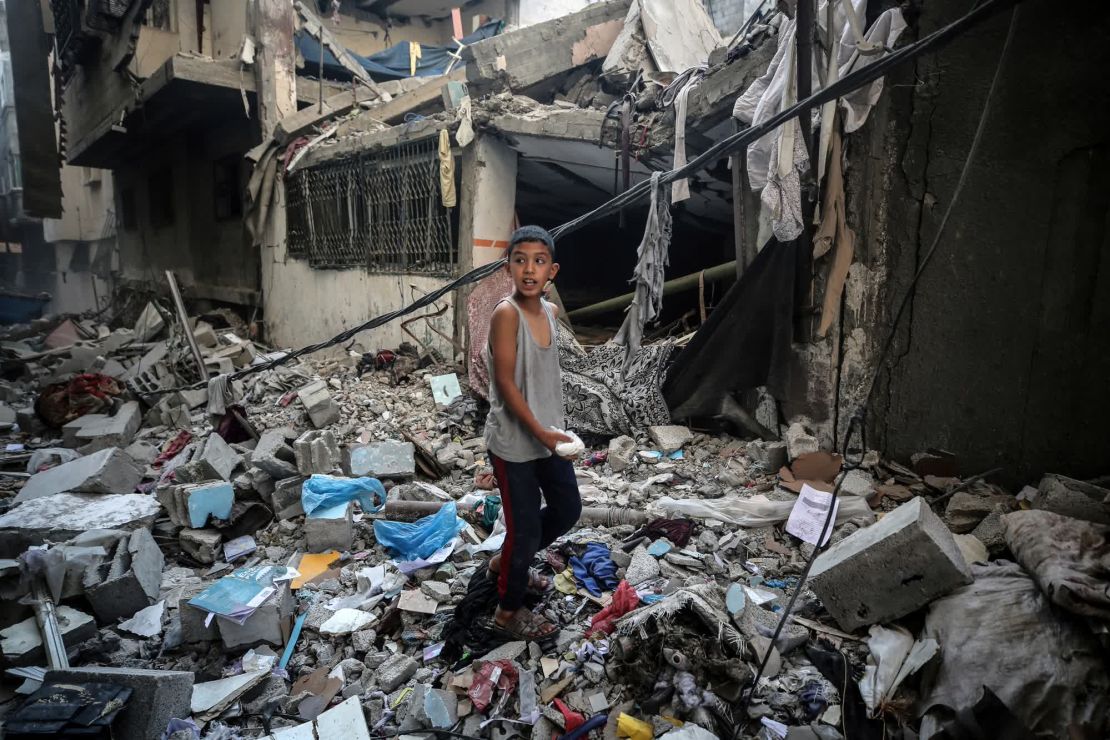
{"type": "Point", "coordinates": [273, 456]}
{"type": "Point", "coordinates": [395, 671]}
{"type": "Point", "coordinates": [203, 545]}
{"type": "Point", "coordinates": [205, 334]}
{"type": "Point", "coordinates": [107, 471]}
{"type": "Point", "coordinates": [110, 431]}
{"type": "Point", "coordinates": [1077, 499]}
{"type": "Point", "coordinates": [389, 459]}
{"type": "Point", "coordinates": [21, 643]}
{"type": "Point", "coordinates": [65, 515]}
{"type": "Point", "coordinates": [966, 510]}
{"type": "Point", "coordinates": [317, 400]}
{"type": "Point", "coordinates": [890, 569]}
{"type": "Point", "coordinates": [316, 452]}
{"type": "Point", "coordinates": [670, 438]}
{"type": "Point", "coordinates": [770, 456]}
{"type": "Point", "coordinates": [192, 620]}
{"type": "Point", "coordinates": [622, 451]}
{"type": "Point", "coordinates": [213, 459]}
{"type": "Point", "coordinates": [270, 623]}
{"type": "Point", "coordinates": [287, 497]}
{"type": "Point", "coordinates": [330, 529]}
{"type": "Point", "coordinates": [129, 581]}
{"type": "Point", "coordinates": [799, 441]}
{"type": "Point", "coordinates": [157, 697]}
{"type": "Point", "coordinates": [192, 504]}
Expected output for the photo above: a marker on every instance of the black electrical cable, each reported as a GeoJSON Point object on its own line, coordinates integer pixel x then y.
{"type": "Point", "coordinates": [857, 422]}
{"type": "Point", "coordinates": [732, 143]}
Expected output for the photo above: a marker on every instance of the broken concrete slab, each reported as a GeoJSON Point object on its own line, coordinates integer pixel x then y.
{"type": "Point", "coordinates": [966, 510]}
{"type": "Point", "coordinates": [107, 471]}
{"type": "Point", "coordinates": [149, 324]}
{"type": "Point", "coordinates": [799, 441]}
{"type": "Point", "coordinates": [21, 643]}
{"type": "Point", "coordinates": [679, 33]}
{"type": "Point", "coordinates": [543, 52]}
{"type": "Point", "coordinates": [622, 451]}
{"type": "Point", "coordinates": [330, 529]}
{"type": "Point", "coordinates": [211, 698]}
{"type": "Point", "coordinates": [286, 497]}
{"type": "Point", "coordinates": [273, 456]}
{"type": "Point", "coordinates": [322, 409]}
{"type": "Point", "coordinates": [1075, 498]}
{"type": "Point", "coordinates": [270, 623]}
{"type": "Point", "coordinates": [388, 459]}
{"type": "Point", "coordinates": [316, 451]}
{"type": "Point", "coordinates": [214, 458]}
{"type": "Point", "coordinates": [203, 545]}
{"type": "Point", "coordinates": [157, 696]}
{"type": "Point", "coordinates": [109, 431]}
{"type": "Point", "coordinates": [670, 438]}
{"type": "Point", "coordinates": [129, 581]}
{"type": "Point", "coordinates": [346, 621]}
{"type": "Point", "coordinates": [65, 515]}
{"type": "Point", "coordinates": [770, 456]}
{"type": "Point", "coordinates": [889, 569]}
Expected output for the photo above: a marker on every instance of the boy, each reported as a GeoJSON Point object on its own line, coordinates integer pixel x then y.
{"type": "Point", "coordinates": [526, 406]}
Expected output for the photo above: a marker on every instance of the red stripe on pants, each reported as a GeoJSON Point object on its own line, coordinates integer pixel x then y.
{"type": "Point", "coordinates": [502, 475]}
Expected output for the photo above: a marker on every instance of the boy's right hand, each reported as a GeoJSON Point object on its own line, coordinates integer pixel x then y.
{"type": "Point", "coordinates": [550, 438]}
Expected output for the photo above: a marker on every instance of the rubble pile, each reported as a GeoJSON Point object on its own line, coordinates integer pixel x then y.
{"type": "Point", "coordinates": [307, 546]}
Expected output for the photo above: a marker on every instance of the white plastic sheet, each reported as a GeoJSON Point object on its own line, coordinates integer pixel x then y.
{"type": "Point", "coordinates": [895, 655]}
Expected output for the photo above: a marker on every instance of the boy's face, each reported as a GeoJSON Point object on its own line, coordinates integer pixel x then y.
{"type": "Point", "coordinates": [531, 266]}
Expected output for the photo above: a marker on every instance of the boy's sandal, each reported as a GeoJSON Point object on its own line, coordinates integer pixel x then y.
{"type": "Point", "coordinates": [528, 626]}
{"type": "Point", "coordinates": [538, 583]}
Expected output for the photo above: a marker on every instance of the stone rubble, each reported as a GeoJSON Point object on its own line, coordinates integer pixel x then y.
{"type": "Point", "coordinates": [143, 518]}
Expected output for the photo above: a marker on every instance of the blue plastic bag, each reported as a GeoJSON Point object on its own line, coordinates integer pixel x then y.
{"type": "Point", "coordinates": [421, 538]}
{"type": "Point", "coordinates": [326, 491]}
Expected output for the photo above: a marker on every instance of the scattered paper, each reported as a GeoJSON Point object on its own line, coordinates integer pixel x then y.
{"type": "Point", "coordinates": [437, 557]}
{"type": "Point", "coordinates": [808, 516]}
{"type": "Point", "coordinates": [145, 622]}
{"type": "Point", "coordinates": [549, 666]}
{"type": "Point", "coordinates": [239, 547]}
{"type": "Point", "coordinates": [312, 565]}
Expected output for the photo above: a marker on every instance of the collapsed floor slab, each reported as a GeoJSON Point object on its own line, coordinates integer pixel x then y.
{"type": "Point", "coordinates": [65, 515]}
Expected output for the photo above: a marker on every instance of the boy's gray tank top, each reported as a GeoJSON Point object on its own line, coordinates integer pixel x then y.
{"type": "Point", "coordinates": [537, 375]}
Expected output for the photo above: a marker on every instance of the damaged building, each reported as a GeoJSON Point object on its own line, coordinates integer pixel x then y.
{"type": "Point", "coordinates": [830, 324]}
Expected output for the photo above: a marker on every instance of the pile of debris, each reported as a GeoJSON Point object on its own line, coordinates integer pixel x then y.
{"type": "Point", "coordinates": [312, 551]}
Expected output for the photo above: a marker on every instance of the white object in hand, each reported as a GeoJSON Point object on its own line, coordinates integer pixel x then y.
{"type": "Point", "coordinates": [574, 448]}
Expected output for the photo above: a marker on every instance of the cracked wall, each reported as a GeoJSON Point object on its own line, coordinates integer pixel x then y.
{"type": "Point", "coordinates": [1003, 351]}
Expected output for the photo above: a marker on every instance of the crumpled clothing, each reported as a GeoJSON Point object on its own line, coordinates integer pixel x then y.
{"type": "Point", "coordinates": [221, 395]}
{"type": "Point", "coordinates": [652, 258]}
{"type": "Point", "coordinates": [677, 531]}
{"type": "Point", "coordinates": [624, 601]}
{"type": "Point", "coordinates": [175, 446]}
{"type": "Point", "coordinates": [446, 170]}
{"type": "Point", "coordinates": [88, 393]}
{"type": "Point", "coordinates": [595, 569]}
{"type": "Point", "coordinates": [834, 230]}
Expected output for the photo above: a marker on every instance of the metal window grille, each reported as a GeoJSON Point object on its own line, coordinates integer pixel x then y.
{"type": "Point", "coordinates": [382, 212]}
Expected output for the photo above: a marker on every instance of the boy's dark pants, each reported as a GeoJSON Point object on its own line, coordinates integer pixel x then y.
{"type": "Point", "coordinates": [530, 528]}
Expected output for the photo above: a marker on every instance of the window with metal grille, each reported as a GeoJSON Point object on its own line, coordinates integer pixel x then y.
{"type": "Point", "coordinates": [382, 212]}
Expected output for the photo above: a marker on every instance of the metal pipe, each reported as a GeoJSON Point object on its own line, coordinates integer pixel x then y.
{"type": "Point", "coordinates": [47, 619]}
{"type": "Point", "coordinates": [677, 285]}
{"type": "Point", "coordinates": [183, 317]}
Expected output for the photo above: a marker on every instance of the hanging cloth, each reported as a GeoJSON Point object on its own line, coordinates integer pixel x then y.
{"type": "Point", "coordinates": [652, 259]}
{"type": "Point", "coordinates": [680, 189]}
{"type": "Point", "coordinates": [446, 170]}
{"type": "Point", "coordinates": [834, 233]}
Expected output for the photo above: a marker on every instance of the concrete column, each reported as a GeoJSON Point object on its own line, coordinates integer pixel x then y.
{"type": "Point", "coordinates": [488, 200]}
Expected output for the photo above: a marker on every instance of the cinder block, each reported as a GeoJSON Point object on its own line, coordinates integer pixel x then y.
{"type": "Point", "coordinates": [215, 459]}
{"type": "Point", "coordinates": [890, 569]}
{"type": "Point", "coordinates": [107, 471]}
{"type": "Point", "coordinates": [274, 456]}
{"type": "Point", "coordinates": [316, 451]}
{"type": "Point", "coordinates": [129, 581]}
{"type": "Point", "coordinates": [191, 505]}
{"type": "Point", "coordinates": [287, 497]}
{"type": "Point", "coordinates": [389, 459]}
{"type": "Point", "coordinates": [330, 529]}
{"type": "Point", "coordinates": [202, 544]}
{"type": "Point", "coordinates": [158, 697]}
{"type": "Point", "coordinates": [317, 400]}
{"type": "Point", "coordinates": [270, 623]}
{"type": "Point", "coordinates": [192, 620]}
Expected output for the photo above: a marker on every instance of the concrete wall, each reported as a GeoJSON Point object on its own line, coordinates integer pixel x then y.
{"type": "Point", "coordinates": [728, 15]}
{"type": "Point", "coordinates": [211, 256]}
{"type": "Point", "coordinates": [1004, 352]}
{"type": "Point", "coordinates": [88, 206]}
